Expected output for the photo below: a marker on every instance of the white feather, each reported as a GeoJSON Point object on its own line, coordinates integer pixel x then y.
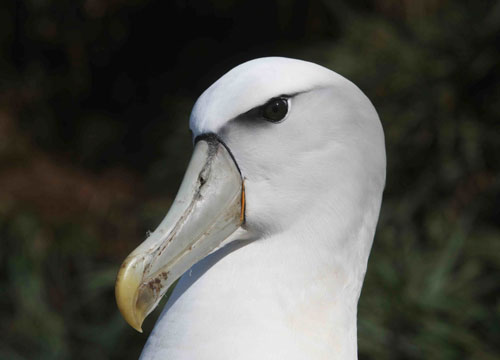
{"type": "Point", "coordinates": [313, 185]}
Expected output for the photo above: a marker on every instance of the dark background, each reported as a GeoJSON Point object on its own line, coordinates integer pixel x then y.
{"type": "Point", "coordinates": [94, 104]}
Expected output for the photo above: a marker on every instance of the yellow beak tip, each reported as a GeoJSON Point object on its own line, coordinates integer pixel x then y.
{"type": "Point", "coordinates": [126, 289]}
{"type": "Point", "coordinates": [202, 216]}
{"type": "Point", "coordinates": [137, 328]}
{"type": "Point", "coordinates": [130, 316]}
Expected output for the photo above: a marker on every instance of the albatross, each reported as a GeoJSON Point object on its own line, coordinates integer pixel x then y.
{"type": "Point", "coordinates": [272, 226]}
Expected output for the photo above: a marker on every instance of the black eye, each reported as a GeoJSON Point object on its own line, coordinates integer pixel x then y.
{"type": "Point", "coordinates": [276, 109]}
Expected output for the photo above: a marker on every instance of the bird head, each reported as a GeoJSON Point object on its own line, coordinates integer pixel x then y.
{"type": "Point", "coordinates": [278, 142]}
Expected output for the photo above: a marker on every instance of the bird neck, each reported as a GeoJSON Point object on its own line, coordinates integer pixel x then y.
{"type": "Point", "coordinates": [293, 295]}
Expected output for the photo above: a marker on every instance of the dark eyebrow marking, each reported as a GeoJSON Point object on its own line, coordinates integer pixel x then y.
{"type": "Point", "coordinates": [255, 111]}
{"type": "Point", "coordinates": [252, 113]}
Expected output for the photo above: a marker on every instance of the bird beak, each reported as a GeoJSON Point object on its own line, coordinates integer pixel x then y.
{"type": "Point", "coordinates": [208, 208]}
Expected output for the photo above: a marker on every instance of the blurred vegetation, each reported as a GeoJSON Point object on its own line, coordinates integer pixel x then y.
{"type": "Point", "coordinates": [94, 101]}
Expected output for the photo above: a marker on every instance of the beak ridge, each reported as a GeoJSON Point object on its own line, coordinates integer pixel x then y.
{"type": "Point", "coordinates": [209, 207]}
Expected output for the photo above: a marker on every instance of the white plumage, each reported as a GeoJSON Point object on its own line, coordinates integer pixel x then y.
{"type": "Point", "coordinates": [287, 284]}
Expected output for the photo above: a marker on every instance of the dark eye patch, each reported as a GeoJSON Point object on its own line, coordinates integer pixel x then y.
{"type": "Point", "coordinates": [275, 109]}
{"type": "Point", "coordinates": [266, 111]}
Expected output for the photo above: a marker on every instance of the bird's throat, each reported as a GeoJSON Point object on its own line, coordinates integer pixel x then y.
{"type": "Point", "coordinates": [273, 294]}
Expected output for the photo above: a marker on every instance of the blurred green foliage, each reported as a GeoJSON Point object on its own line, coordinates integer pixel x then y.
{"type": "Point", "coordinates": [94, 140]}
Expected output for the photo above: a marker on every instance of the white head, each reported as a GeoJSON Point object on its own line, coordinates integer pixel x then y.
{"type": "Point", "coordinates": [283, 146]}
{"type": "Point", "coordinates": [327, 153]}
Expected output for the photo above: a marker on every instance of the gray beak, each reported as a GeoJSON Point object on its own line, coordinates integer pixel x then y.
{"type": "Point", "coordinates": [208, 208]}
